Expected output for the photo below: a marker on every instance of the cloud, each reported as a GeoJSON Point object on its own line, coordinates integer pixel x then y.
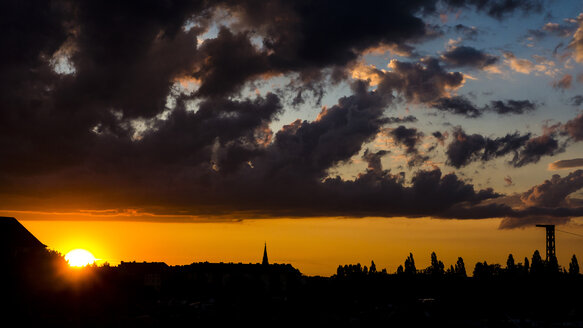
{"type": "Point", "coordinates": [468, 57]}
{"type": "Point", "coordinates": [498, 9]}
{"type": "Point", "coordinates": [410, 138]}
{"type": "Point", "coordinates": [224, 72]}
{"type": "Point", "coordinates": [463, 106]}
{"type": "Point", "coordinates": [546, 203]}
{"type": "Point", "coordinates": [535, 148]}
{"type": "Point", "coordinates": [561, 30]}
{"type": "Point", "coordinates": [458, 105]}
{"type": "Point", "coordinates": [577, 100]}
{"type": "Point", "coordinates": [553, 192]}
{"type": "Point", "coordinates": [374, 160]}
{"type": "Point", "coordinates": [576, 45]}
{"type": "Point", "coordinates": [144, 114]}
{"type": "Point", "coordinates": [304, 34]}
{"type": "Point", "coordinates": [564, 83]}
{"type": "Point", "coordinates": [406, 119]}
{"type": "Point", "coordinates": [511, 106]}
{"type": "Point", "coordinates": [529, 221]}
{"type": "Point", "coordinates": [566, 164]}
{"type": "Point", "coordinates": [519, 65]}
{"type": "Point", "coordinates": [574, 128]}
{"type": "Point", "coordinates": [369, 73]}
{"type": "Point", "coordinates": [469, 32]}
{"type": "Point", "coordinates": [465, 149]}
{"type": "Point", "coordinates": [423, 81]}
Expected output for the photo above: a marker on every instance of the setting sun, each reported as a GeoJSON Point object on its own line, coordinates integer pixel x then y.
{"type": "Point", "coordinates": [79, 258]}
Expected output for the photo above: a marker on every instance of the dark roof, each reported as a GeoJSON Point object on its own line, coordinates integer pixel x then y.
{"type": "Point", "coordinates": [14, 235]}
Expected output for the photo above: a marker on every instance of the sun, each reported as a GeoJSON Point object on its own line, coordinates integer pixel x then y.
{"type": "Point", "coordinates": [79, 258]}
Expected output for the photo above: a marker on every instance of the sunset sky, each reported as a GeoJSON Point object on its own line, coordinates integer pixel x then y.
{"type": "Point", "coordinates": [336, 131]}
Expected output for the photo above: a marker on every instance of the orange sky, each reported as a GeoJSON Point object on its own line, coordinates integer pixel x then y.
{"type": "Point", "coordinates": [315, 246]}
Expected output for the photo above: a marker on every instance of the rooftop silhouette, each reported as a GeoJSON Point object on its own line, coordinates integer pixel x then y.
{"type": "Point", "coordinates": [15, 238]}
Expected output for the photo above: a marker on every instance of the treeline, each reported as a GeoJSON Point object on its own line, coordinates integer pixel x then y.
{"type": "Point", "coordinates": [535, 267]}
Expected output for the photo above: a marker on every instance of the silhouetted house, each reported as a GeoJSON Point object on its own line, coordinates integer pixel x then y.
{"type": "Point", "coordinates": [151, 273]}
{"type": "Point", "coordinates": [16, 241]}
{"type": "Point", "coordinates": [227, 275]}
{"type": "Point", "coordinates": [265, 261]}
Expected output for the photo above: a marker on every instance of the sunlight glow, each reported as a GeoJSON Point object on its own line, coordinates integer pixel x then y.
{"type": "Point", "coordinates": [79, 258]}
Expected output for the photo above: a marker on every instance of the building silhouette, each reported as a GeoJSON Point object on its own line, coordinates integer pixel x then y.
{"type": "Point", "coordinates": [265, 260]}
{"type": "Point", "coordinates": [16, 240]}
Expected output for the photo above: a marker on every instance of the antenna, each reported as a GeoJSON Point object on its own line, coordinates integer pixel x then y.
{"type": "Point", "coordinates": [550, 240]}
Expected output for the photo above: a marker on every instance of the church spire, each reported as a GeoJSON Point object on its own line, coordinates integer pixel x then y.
{"type": "Point", "coordinates": [265, 261]}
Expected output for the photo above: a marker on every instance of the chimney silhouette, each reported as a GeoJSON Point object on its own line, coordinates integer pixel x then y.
{"type": "Point", "coordinates": [265, 261]}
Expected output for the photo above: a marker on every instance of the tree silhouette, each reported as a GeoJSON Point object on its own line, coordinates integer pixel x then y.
{"type": "Point", "coordinates": [552, 265]}
{"type": "Point", "coordinates": [536, 265]}
{"type": "Point", "coordinates": [460, 267]}
{"type": "Point", "coordinates": [510, 265]}
{"type": "Point", "coordinates": [485, 270]}
{"type": "Point", "coordinates": [437, 268]}
{"type": "Point", "coordinates": [410, 265]}
{"type": "Point", "coordinates": [479, 270]}
{"type": "Point", "coordinates": [526, 265]}
{"type": "Point", "coordinates": [400, 269]}
{"type": "Point", "coordinates": [574, 266]}
{"type": "Point", "coordinates": [373, 267]}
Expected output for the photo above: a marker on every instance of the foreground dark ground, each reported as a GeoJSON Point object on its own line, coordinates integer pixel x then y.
{"type": "Point", "coordinates": [40, 290]}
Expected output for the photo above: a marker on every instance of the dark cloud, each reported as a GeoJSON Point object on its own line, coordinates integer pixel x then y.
{"type": "Point", "coordinates": [499, 8]}
{"type": "Point", "coordinates": [126, 54]}
{"type": "Point", "coordinates": [410, 138]}
{"type": "Point", "coordinates": [423, 81]}
{"type": "Point", "coordinates": [438, 135]}
{"type": "Point", "coordinates": [566, 164]}
{"type": "Point", "coordinates": [468, 57]}
{"type": "Point", "coordinates": [308, 149]}
{"type": "Point", "coordinates": [458, 105]}
{"type": "Point", "coordinates": [511, 106]}
{"type": "Point", "coordinates": [406, 119]}
{"type": "Point", "coordinates": [531, 221]}
{"type": "Point", "coordinates": [465, 149]}
{"type": "Point", "coordinates": [535, 148]}
{"type": "Point", "coordinates": [463, 106]}
{"type": "Point", "coordinates": [94, 117]}
{"type": "Point", "coordinates": [469, 32]}
{"type": "Point", "coordinates": [577, 100]}
{"type": "Point", "coordinates": [307, 34]}
{"type": "Point", "coordinates": [224, 72]}
{"type": "Point", "coordinates": [574, 128]}
{"type": "Point", "coordinates": [553, 192]}
{"type": "Point", "coordinates": [374, 160]}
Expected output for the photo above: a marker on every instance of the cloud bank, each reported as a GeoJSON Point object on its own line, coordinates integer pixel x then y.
{"type": "Point", "coordinates": [137, 104]}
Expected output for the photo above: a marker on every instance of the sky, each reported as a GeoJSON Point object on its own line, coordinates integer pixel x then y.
{"type": "Point", "coordinates": [335, 131]}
